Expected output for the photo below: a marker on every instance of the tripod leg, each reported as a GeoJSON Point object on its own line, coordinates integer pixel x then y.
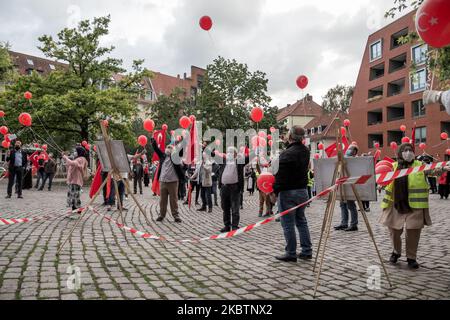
{"type": "Point", "coordinates": [81, 215]}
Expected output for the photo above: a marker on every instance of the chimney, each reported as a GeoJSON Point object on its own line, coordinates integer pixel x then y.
{"type": "Point", "coordinates": [309, 97]}
{"type": "Point", "coordinates": [178, 76]}
{"type": "Point", "coordinates": [185, 76]}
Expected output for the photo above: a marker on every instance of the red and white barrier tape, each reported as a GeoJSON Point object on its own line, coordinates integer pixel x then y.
{"type": "Point", "coordinates": [7, 222]}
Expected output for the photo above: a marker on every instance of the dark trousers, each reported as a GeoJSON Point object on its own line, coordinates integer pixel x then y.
{"type": "Point", "coordinates": [40, 177]}
{"type": "Point", "coordinates": [309, 192]}
{"type": "Point", "coordinates": [196, 186]}
{"type": "Point", "coordinates": [206, 197]}
{"type": "Point", "coordinates": [214, 191]}
{"type": "Point", "coordinates": [15, 173]}
{"type": "Point", "coordinates": [48, 176]}
{"type": "Point", "coordinates": [112, 195]}
{"type": "Point", "coordinates": [181, 190]}
{"type": "Point", "coordinates": [137, 181]}
{"type": "Point", "coordinates": [230, 196]}
{"type": "Point", "coordinates": [433, 186]}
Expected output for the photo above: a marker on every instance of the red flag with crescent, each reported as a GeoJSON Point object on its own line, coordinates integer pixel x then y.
{"type": "Point", "coordinates": [97, 182]}
{"type": "Point", "coordinates": [155, 182]}
{"type": "Point", "coordinates": [331, 151]}
{"type": "Point", "coordinates": [160, 138]}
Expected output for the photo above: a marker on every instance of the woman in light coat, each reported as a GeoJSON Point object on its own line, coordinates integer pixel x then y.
{"type": "Point", "coordinates": [76, 172]}
{"type": "Point", "coordinates": [203, 173]}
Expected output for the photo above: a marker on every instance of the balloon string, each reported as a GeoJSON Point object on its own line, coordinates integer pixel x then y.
{"type": "Point", "coordinates": [48, 143]}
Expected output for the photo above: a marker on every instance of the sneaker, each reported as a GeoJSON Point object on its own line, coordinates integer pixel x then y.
{"type": "Point", "coordinates": [177, 220]}
{"type": "Point", "coordinates": [159, 219]}
{"type": "Point", "coordinates": [394, 258]}
{"type": "Point", "coordinates": [286, 258]}
{"type": "Point", "coordinates": [340, 227]}
{"type": "Point", "coordinates": [412, 264]}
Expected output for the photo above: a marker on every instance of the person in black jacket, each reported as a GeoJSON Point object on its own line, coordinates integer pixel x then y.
{"type": "Point", "coordinates": [169, 176]}
{"type": "Point", "coordinates": [138, 173]}
{"type": "Point", "coordinates": [231, 184]}
{"type": "Point", "coordinates": [17, 162]}
{"type": "Point", "coordinates": [291, 182]}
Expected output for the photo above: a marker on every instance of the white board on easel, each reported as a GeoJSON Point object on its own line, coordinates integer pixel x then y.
{"type": "Point", "coordinates": [357, 166]}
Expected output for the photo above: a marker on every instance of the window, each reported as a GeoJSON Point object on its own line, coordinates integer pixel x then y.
{"type": "Point", "coordinates": [418, 80]}
{"type": "Point", "coordinates": [319, 130]}
{"type": "Point", "coordinates": [396, 37]}
{"type": "Point", "coordinates": [375, 117]}
{"type": "Point", "coordinates": [30, 62]}
{"type": "Point", "coordinates": [397, 63]}
{"type": "Point", "coordinates": [396, 112]}
{"type": "Point", "coordinates": [376, 50]}
{"type": "Point", "coordinates": [421, 135]}
{"type": "Point", "coordinates": [419, 54]}
{"type": "Point", "coordinates": [396, 87]}
{"type": "Point", "coordinates": [418, 109]}
{"type": "Point", "coordinates": [312, 131]}
{"type": "Point", "coordinates": [149, 95]}
{"type": "Point", "coordinates": [52, 66]}
{"type": "Point", "coordinates": [376, 72]}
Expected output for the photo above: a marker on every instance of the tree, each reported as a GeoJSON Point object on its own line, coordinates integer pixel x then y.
{"type": "Point", "coordinates": [70, 102]}
{"type": "Point", "coordinates": [438, 60]}
{"type": "Point", "coordinates": [6, 65]}
{"type": "Point", "coordinates": [338, 98]}
{"type": "Point", "coordinates": [228, 94]}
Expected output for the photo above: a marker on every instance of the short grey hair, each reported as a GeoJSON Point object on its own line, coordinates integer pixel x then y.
{"type": "Point", "coordinates": [296, 133]}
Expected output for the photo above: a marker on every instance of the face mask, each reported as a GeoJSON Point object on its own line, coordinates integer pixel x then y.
{"type": "Point", "coordinates": [17, 147]}
{"type": "Point", "coordinates": [408, 156]}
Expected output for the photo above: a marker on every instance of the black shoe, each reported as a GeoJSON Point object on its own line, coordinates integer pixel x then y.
{"type": "Point", "coordinates": [260, 214]}
{"type": "Point", "coordinates": [368, 210]}
{"type": "Point", "coordinates": [266, 215]}
{"type": "Point", "coordinates": [277, 220]}
{"type": "Point", "coordinates": [394, 258]}
{"type": "Point", "coordinates": [412, 264]}
{"type": "Point", "coordinates": [159, 219]}
{"type": "Point", "coordinates": [210, 210]}
{"type": "Point", "coordinates": [185, 202]}
{"type": "Point", "coordinates": [202, 210]}
{"type": "Point", "coordinates": [177, 220]}
{"type": "Point", "coordinates": [19, 197]}
{"type": "Point", "coordinates": [40, 189]}
{"type": "Point", "coordinates": [286, 258]}
{"type": "Point", "coordinates": [226, 229]}
{"type": "Point", "coordinates": [304, 256]}
{"type": "Point", "coordinates": [235, 228]}
{"type": "Point", "coordinates": [8, 196]}
{"type": "Point", "coordinates": [242, 208]}
{"type": "Point", "coordinates": [340, 227]}
{"type": "Point", "coordinates": [354, 228]}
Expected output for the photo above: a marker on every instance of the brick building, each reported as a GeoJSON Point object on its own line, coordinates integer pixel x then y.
{"type": "Point", "coordinates": [299, 113]}
{"type": "Point", "coordinates": [389, 90]}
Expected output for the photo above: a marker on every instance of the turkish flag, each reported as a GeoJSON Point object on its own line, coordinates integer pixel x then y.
{"type": "Point", "coordinates": [155, 183]}
{"type": "Point", "coordinates": [97, 182]}
{"type": "Point", "coordinates": [160, 138]}
{"type": "Point", "coordinates": [331, 151]}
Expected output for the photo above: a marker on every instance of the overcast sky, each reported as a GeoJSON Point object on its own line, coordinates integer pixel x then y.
{"type": "Point", "coordinates": [323, 39]}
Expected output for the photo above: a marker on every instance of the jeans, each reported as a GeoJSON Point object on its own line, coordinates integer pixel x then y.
{"type": "Point", "coordinates": [40, 177]}
{"type": "Point", "coordinates": [137, 181]}
{"type": "Point", "coordinates": [206, 197]}
{"type": "Point", "coordinates": [230, 197]}
{"type": "Point", "coordinates": [214, 191]}
{"type": "Point", "coordinates": [15, 175]}
{"type": "Point", "coordinates": [48, 176]}
{"type": "Point", "coordinates": [287, 200]}
{"type": "Point", "coordinates": [345, 207]}
{"type": "Point", "coordinates": [112, 195]}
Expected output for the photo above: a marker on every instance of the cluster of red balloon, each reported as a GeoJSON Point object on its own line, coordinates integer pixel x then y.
{"type": "Point", "coordinates": [4, 131]}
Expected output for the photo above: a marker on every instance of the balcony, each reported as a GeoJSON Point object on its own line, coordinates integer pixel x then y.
{"type": "Point", "coordinates": [396, 112]}
{"type": "Point", "coordinates": [395, 136]}
{"type": "Point", "coordinates": [374, 117]}
{"type": "Point", "coordinates": [397, 63]}
{"type": "Point", "coordinates": [375, 94]}
{"type": "Point", "coordinates": [376, 72]}
{"type": "Point", "coordinates": [396, 37]}
{"type": "Point", "coordinates": [396, 87]}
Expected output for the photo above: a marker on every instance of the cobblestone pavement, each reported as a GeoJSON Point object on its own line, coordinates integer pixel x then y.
{"type": "Point", "coordinates": [118, 266]}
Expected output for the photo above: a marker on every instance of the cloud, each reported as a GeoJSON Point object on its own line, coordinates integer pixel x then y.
{"type": "Point", "coordinates": [323, 39]}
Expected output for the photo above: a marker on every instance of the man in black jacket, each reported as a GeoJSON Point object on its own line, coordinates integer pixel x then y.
{"type": "Point", "coordinates": [138, 174]}
{"type": "Point", "coordinates": [231, 184]}
{"type": "Point", "coordinates": [291, 182]}
{"type": "Point", "coordinates": [169, 175]}
{"type": "Point", "coordinates": [17, 162]}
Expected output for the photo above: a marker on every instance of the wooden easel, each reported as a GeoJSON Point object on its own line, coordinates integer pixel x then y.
{"type": "Point", "coordinates": [340, 171]}
{"type": "Point", "coordinates": [115, 175]}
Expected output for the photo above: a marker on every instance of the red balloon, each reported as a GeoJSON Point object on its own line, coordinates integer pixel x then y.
{"type": "Point", "coordinates": [44, 147]}
{"type": "Point", "coordinates": [88, 147]}
{"type": "Point", "coordinates": [377, 145]}
{"type": "Point", "coordinates": [383, 169]}
{"type": "Point", "coordinates": [317, 156]}
{"type": "Point", "coordinates": [394, 145]}
{"type": "Point", "coordinates": [7, 138]}
{"type": "Point", "coordinates": [25, 119]}
{"type": "Point", "coordinates": [422, 146]}
{"type": "Point", "coordinates": [84, 143]}
{"type": "Point", "coordinates": [192, 118]}
{"type": "Point", "coordinates": [2, 114]}
{"type": "Point", "coordinates": [27, 95]}
{"type": "Point", "coordinates": [3, 130]}
{"type": "Point", "coordinates": [403, 128]}
{"type": "Point", "coordinates": [149, 125]}
{"type": "Point", "coordinates": [172, 132]}
{"type": "Point", "coordinates": [343, 131]}
{"type": "Point", "coordinates": [185, 122]}
{"type": "Point", "coordinates": [36, 145]}
{"type": "Point", "coordinates": [270, 143]}
{"type": "Point", "coordinates": [385, 163]}
{"type": "Point", "coordinates": [6, 144]}
{"type": "Point", "coordinates": [302, 82]}
{"type": "Point", "coordinates": [432, 22]}
{"type": "Point", "coordinates": [105, 123]}
{"type": "Point", "coordinates": [142, 140]}
{"type": "Point", "coordinates": [257, 141]}
{"type": "Point", "coordinates": [347, 123]}
{"type": "Point", "coordinates": [265, 182]}
{"type": "Point", "coordinates": [205, 23]}
{"type": "Point", "coordinates": [269, 137]}
{"type": "Point", "coordinates": [444, 135]}
{"type": "Point", "coordinates": [164, 127]}
{"type": "Point", "coordinates": [95, 148]}
{"type": "Point", "coordinates": [320, 146]}
{"type": "Point", "coordinates": [447, 152]}
{"type": "Point", "coordinates": [405, 140]}
{"type": "Point", "coordinates": [272, 129]}
{"type": "Point", "coordinates": [257, 114]}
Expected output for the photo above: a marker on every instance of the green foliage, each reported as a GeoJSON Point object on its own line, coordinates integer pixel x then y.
{"type": "Point", "coordinates": [70, 102]}
{"type": "Point", "coordinates": [338, 98]}
{"type": "Point", "coordinates": [6, 65]}
{"type": "Point", "coordinates": [169, 109]}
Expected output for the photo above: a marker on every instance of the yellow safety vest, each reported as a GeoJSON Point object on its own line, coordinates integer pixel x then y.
{"type": "Point", "coordinates": [418, 190]}
{"type": "Point", "coordinates": [310, 180]}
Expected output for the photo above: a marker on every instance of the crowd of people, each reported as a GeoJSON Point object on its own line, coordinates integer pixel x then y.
{"type": "Point", "coordinates": [405, 206]}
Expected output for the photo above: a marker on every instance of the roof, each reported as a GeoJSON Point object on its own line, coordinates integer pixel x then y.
{"type": "Point", "coordinates": [305, 107]}
{"type": "Point", "coordinates": [25, 63]}
{"type": "Point", "coordinates": [164, 84]}
{"type": "Point", "coordinates": [326, 120]}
